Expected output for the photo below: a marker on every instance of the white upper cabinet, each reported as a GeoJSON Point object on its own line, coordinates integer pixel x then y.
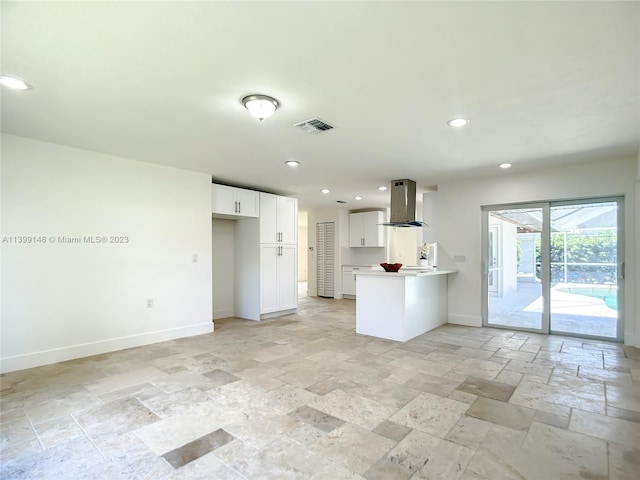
{"type": "Point", "coordinates": [365, 229]}
{"type": "Point", "coordinates": [232, 201]}
{"type": "Point", "coordinates": [278, 219]}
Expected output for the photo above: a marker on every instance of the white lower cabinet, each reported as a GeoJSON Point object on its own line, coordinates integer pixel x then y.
{"type": "Point", "coordinates": [348, 283]}
{"type": "Point", "coordinates": [278, 278]}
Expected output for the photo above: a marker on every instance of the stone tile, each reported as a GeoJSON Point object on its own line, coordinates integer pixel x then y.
{"type": "Point", "coordinates": [553, 419]}
{"type": "Point", "coordinates": [206, 467]}
{"type": "Point", "coordinates": [124, 380]}
{"type": "Point", "coordinates": [509, 377]}
{"type": "Point", "coordinates": [392, 430]}
{"type": "Point", "coordinates": [563, 452]}
{"type": "Point", "coordinates": [420, 365]}
{"type": "Point", "coordinates": [316, 418]}
{"type": "Point", "coordinates": [119, 416]}
{"type": "Point", "coordinates": [234, 452]}
{"type": "Point", "coordinates": [329, 384]}
{"type": "Point", "coordinates": [197, 448]}
{"type": "Point", "coordinates": [178, 381]}
{"type": "Point", "coordinates": [485, 369]}
{"type": "Point", "coordinates": [624, 461]}
{"type": "Point", "coordinates": [607, 428]}
{"type": "Point", "coordinates": [463, 397]}
{"type": "Point", "coordinates": [353, 408]}
{"type": "Point", "coordinates": [386, 470]}
{"type": "Point", "coordinates": [288, 397]}
{"type": "Point", "coordinates": [77, 459]}
{"type": "Point", "coordinates": [59, 430]}
{"type": "Point", "coordinates": [487, 388]}
{"type": "Point", "coordinates": [469, 432]}
{"type": "Point", "coordinates": [141, 391]}
{"type": "Point", "coordinates": [386, 392]}
{"type": "Point", "coordinates": [623, 414]}
{"type": "Point", "coordinates": [605, 375]}
{"type": "Point", "coordinates": [526, 368]}
{"type": "Point", "coordinates": [282, 459]}
{"type": "Point", "coordinates": [429, 457]}
{"type": "Point", "coordinates": [506, 414]}
{"type": "Point", "coordinates": [589, 397]}
{"type": "Point", "coordinates": [219, 377]}
{"type": "Point", "coordinates": [258, 429]}
{"type": "Point", "coordinates": [513, 355]}
{"type": "Point", "coordinates": [353, 447]}
{"type": "Point", "coordinates": [336, 472]}
{"type": "Point", "coordinates": [623, 396]}
{"type": "Point", "coordinates": [442, 386]}
{"type": "Point", "coordinates": [191, 401]}
{"type": "Point", "coordinates": [431, 414]}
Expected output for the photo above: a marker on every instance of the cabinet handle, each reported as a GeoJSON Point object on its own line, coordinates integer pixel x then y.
{"type": "Point", "coordinates": [239, 207]}
{"type": "Point", "coordinates": [235, 207]}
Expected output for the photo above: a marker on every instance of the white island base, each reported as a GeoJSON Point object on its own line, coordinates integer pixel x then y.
{"type": "Point", "coordinates": [401, 305]}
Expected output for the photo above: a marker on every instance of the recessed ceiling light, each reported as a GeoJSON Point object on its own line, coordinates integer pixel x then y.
{"type": "Point", "coordinates": [458, 122]}
{"type": "Point", "coordinates": [292, 163]}
{"type": "Point", "coordinates": [325, 190]}
{"type": "Point", "coordinates": [357, 197]}
{"type": "Point", "coordinates": [382, 188]}
{"type": "Point", "coordinates": [14, 83]}
{"type": "Point", "coordinates": [505, 165]}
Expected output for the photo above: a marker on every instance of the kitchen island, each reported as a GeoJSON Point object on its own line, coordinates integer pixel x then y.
{"type": "Point", "coordinates": [400, 305]}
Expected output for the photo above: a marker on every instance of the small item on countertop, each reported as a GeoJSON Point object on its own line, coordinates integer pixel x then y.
{"type": "Point", "coordinates": [391, 267]}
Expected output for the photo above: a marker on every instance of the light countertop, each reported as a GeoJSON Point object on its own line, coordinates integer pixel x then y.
{"type": "Point", "coordinates": [406, 272]}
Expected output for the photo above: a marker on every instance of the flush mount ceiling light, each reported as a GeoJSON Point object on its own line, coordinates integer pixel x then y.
{"type": "Point", "coordinates": [505, 165]}
{"type": "Point", "coordinates": [382, 188]}
{"type": "Point", "coordinates": [357, 197]}
{"type": "Point", "coordinates": [458, 122]}
{"type": "Point", "coordinates": [260, 106]}
{"type": "Point", "coordinates": [14, 83]}
{"type": "Point", "coordinates": [325, 190]}
{"type": "Point", "coordinates": [292, 163]}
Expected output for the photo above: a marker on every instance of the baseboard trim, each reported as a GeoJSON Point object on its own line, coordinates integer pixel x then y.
{"type": "Point", "coordinates": [467, 320]}
{"type": "Point", "coordinates": [280, 313]}
{"type": "Point", "coordinates": [46, 357]}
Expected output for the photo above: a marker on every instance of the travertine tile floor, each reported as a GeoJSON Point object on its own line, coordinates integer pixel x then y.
{"type": "Point", "coordinates": [303, 397]}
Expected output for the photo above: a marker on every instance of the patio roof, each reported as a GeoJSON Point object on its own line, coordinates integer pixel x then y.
{"type": "Point", "coordinates": [563, 218]}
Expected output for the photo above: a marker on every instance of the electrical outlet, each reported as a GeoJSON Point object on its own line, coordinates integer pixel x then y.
{"type": "Point", "coordinates": [459, 258]}
{"type": "Point", "coordinates": [149, 302]}
{"type": "Point", "coordinates": [195, 258]}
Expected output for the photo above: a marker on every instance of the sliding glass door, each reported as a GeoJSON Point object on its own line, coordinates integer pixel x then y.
{"type": "Point", "coordinates": [555, 267]}
{"type": "Point", "coordinates": [514, 278]}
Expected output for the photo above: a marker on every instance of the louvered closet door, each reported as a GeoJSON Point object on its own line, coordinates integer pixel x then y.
{"type": "Point", "coordinates": [325, 234]}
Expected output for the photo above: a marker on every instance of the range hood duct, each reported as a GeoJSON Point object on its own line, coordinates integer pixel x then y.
{"type": "Point", "coordinates": [403, 204]}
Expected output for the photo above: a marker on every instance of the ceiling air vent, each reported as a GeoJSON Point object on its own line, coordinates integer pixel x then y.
{"type": "Point", "coordinates": [314, 125]}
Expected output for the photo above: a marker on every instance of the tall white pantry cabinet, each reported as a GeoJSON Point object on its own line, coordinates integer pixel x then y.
{"type": "Point", "coordinates": [266, 277]}
{"type": "Point", "coordinates": [278, 253]}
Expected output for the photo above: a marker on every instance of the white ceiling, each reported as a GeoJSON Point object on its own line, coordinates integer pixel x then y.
{"type": "Point", "coordinates": [542, 82]}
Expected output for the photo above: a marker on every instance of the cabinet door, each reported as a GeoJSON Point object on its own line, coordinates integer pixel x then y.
{"type": "Point", "coordinates": [247, 205]}
{"type": "Point", "coordinates": [372, 231]}
{"type": "Point", "coordinates": [268, 278]}
{"type": "Point", "coordinates": [223, 199]}
{"type": "Point", "coordinates": [287, 277]}
{"type": "Point", "coordinates": [268, 222]}
{"type": "Point", "coordinates": [287, 220]}
{"type": "Point", "coordinates": [348, 283]}
{"type": "Point", "coordinates": [355, 230]}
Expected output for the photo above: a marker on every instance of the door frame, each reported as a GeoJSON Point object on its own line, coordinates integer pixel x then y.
{"type": "Point", "coordinates": [545, 267]}
{"type": "Point", "coordinates": [545, 271]}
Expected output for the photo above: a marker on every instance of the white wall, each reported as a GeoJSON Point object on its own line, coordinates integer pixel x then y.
{"type": "Point", "coordinates": [303, 241]}
{"type": "Point", "coordinates": [63, 301]}
{"type": "Point", "coordinates": [459, 223]}
{"type": "Point", "coordinates": [223, 265]}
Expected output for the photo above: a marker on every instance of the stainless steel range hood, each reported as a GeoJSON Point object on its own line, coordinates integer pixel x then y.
{"type": "Point", "coordinates": [403, 204]}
